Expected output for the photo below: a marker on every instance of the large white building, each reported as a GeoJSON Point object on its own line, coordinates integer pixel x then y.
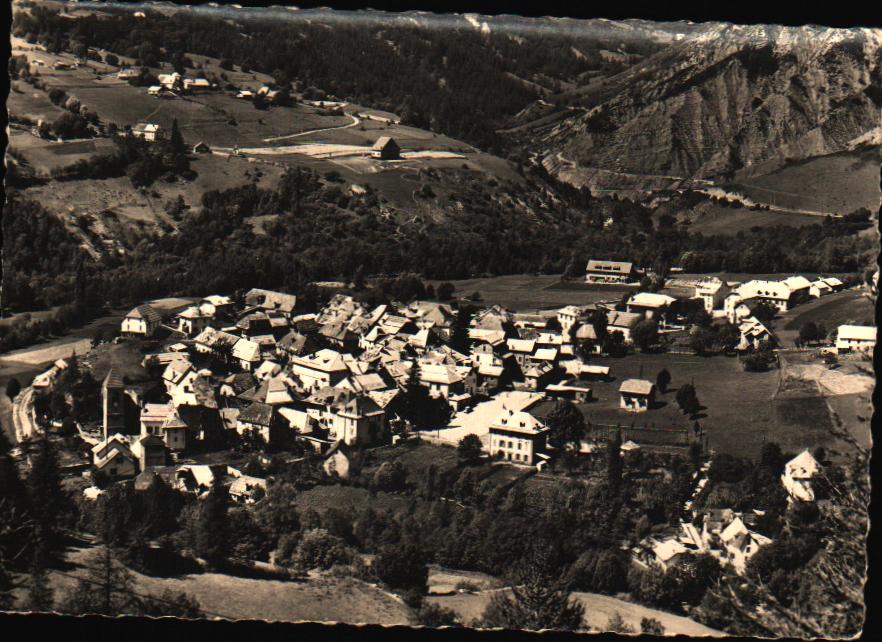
{"type": "Point", "coordinates": [517, 436]}
{"type": "Point", "coordinates": [861, 338]}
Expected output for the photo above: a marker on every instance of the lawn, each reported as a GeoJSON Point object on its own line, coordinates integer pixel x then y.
{"type": "Point", "coordinates": [323, 599]}
{"type": "Point", "coordinates": [739, 413]}
{"type": "Point", "coordinates": [350, 499]}
{"type": "Point", "coordinates": [712, 219]}
{"type": "Point", "coordinates": [837, 183]}
{"type": "Point", "coordinates": [833, 310]}
{"type": "Point", "coordinates": [598, 610]}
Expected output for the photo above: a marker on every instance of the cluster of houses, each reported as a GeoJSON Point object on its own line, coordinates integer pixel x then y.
{"type": "Point", "coordinates": [727, 534]}
{"type": "Point", "coordinates": [256, 366]}
{"type": "Point", "coordinates": [170, 85]}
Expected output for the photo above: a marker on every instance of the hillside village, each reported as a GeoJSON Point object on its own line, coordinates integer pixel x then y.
{"type": "Point", "coordinates": [292, 339]}
{"type": "Point", "coordinates": [253, 372]}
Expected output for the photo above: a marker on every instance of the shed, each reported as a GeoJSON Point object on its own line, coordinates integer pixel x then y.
{"type": "Point", "coordinates": [386, 149]}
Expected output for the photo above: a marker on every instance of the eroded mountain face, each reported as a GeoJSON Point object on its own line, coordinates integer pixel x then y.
{"type": "Point", "coordinates": [729, 99]}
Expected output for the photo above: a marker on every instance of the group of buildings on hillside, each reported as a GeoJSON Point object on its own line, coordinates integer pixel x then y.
{"type": "Point", "coordinates": [727, 534]}
{"type": "Point", "coordinates": [257, 366]}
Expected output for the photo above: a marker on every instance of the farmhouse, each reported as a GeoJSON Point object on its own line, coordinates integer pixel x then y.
{"type": "Point", "coordinates": [799, 289]}
{"type": "Point", "coordinates": [572, 390]}
{"type": "Point", "coordinates": [572, 315]}
{"type": "Point", "coordinates": [798, 475]}
{"type": "Point", "coordinates": [610, 272]}
{"type": "Point", "coordinates": [636, 395]}
{"type": "Point", "coordinates": [193, 320]}
{"type": "Point", "coordinates": [386, 149]}
{"type": "Point", "coordinates": [258, 419]}
{"type": "Point", "coordinates": [855, 337]}
{"type": "Point", "coordinates": [517, 437]}
{"type": "Point", "coordinates": [142, 321]}
{"type": "Point", "coordinates": [835, 283]}
{"type": "Point", "coordinates": [150, 132]}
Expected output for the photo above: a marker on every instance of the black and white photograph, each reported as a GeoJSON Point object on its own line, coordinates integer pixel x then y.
{"type": "Point", "coordinates": [438, 320]}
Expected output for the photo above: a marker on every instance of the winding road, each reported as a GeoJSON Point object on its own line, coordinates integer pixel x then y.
{"type": "Point", "coordinates": [355, 121]}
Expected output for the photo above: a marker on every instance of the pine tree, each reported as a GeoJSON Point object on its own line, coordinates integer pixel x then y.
{"type": "Point", "coordinates": [45, 492]}
{"type": "Point", "coordinates": [177, 140]}
{"type": "Point", "coordinates": [540, 598]}
{"type": "Point", "coordinates": [39, 596]}
{"type": "Point", "coordinates": [459, 337]}
{"type": "Point", "coordinates": [212, 543]}
{"type": "Point", "coordinates": [614, 463]}
{"type": "Point", "coordinates": [106, 589]}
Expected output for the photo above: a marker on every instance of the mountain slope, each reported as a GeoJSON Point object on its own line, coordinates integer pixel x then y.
{"type": "Point", "coordinates": [730, 98]}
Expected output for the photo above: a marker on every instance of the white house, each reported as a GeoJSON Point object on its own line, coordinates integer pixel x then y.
{"type": "Point", "coordinates": [324, 368]}
{"type": "Point", "coordinates": [712, 292]}
{"type": "Point", "coordinates": [193, 320]}
{"type": "Point", "coordinates": [652, 304]}
{"type": "Point", "coordinates": [517, 436]}
{"type": "Point", "coordinates": [855, 337]}
{"type": "Point", "coordinates": [753, 333]}
{"type": "Point", "coordinates": [636, 395]}
{"type": "Point", "coordinates": [151, 132]}
{"type": "Point", "coordinates": [775, 293]}
{"type": "Point", "coordinates": [740, 544]}
{"type": "Point", "coordinates": [798, 475]}
{"type": "Point", "coordinates": [141, 321]}
{"type": "Point", "coordinates": [163, 421]}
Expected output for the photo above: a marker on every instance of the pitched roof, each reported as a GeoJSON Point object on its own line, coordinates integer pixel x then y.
{"type": "Point", "coordinates": [114, 379]}
{"type": "Point", "coordinates": [246, 350]}
{"type": "Point", "coordinates": [257, 413]}
{"type": "Point", "coordinates": [797, 282]}
{"type": "Point", "coordinates": [145, 312]}
{"type": "Point", "coordinates": [383, 141]}
{"type": "Point", "coordinates": [636, 387]}
{"type": "Point", "coordinates": [651, 300]}
{"type": "Point", "coordinates": [518, 421]}
{"type": "Point", "coordinates": [324, 360]}
{"type": "Point", "coordinates": [271, 300]}
{"type": "Point", "coordinates": [803, 466]}
{"type": "Point", "coordinates": [623, 319]}
{"type": "Point", "coordinates": [857, 332]}
{"type": "Point", "coordinates": [358, 407]}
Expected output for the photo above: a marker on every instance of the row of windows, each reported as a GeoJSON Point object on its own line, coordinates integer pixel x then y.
{"type": "Point", "coordinates": [511, 445]}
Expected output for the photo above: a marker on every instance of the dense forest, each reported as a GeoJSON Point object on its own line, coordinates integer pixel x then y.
{"type": "Point", "coordinates": [452, 79]}
{"type": "Point", "coordinates": [320, 232]}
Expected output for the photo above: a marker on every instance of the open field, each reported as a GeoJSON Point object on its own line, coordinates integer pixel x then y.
{"type": "Point", "coordinates": [598, 609]}
{"type": "Point", "coordinates": [45, 155]}
{"type": "Point", "coordinates": [741, 409]}
{"type": "Point", "coordinates": [349, 498]}
{"type": "Point", "coordinates": [322, 599]}
{"type": "Point", "coordinates": [527, 292]}
{"type": "Point", "coordinates": [807, 184]}
{"type": "Point", "coordinates": [833, 310]}
{"type": "Point", "coordinates": [712, 219]}
{"type": "Point", "coordinates": [114, 202]}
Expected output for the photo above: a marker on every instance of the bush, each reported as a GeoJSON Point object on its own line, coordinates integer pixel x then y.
{"type": "Point", "coordinates": [319, 549]}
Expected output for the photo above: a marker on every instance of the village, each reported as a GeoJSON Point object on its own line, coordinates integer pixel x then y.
{"type": "Point", "coordinates": [438, 320]}
{"type": "Point", "coordinates": [254, 371]}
